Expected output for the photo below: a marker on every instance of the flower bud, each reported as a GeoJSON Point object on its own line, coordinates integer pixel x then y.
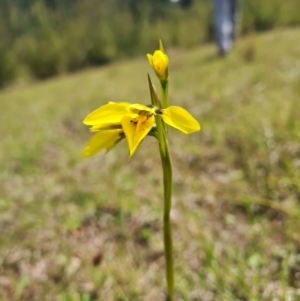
{"type": "Point", "coordinates": [160, 63]}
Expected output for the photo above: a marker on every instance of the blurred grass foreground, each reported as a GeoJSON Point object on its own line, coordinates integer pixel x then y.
{"type": "Point", "coordinates": [74, 229]}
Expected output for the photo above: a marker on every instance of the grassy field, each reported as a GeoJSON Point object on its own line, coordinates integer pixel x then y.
{"type": "Point", "coordinates": [74, 229]}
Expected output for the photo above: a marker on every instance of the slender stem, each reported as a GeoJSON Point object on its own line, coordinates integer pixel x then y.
{"type": "Point", "coordinates": [167, 180]}
{"type": "Point", "coordinates": [164, 84]}
{"type": "Point", "coordinates": [167, 174]}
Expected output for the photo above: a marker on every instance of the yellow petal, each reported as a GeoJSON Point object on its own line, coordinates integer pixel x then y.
{"type": "Point", "coordinates": [149, 56]}
{"type": "Point", "coordinates": [136, 130]}
{"type": "Point", "coordinates": [102, 140]}
{"type": "Point", "coordinates": [180, 119]}
{"type": "Point", "coordinates": [98, 127]}
{"type": "Point", "coordinates": [137, 108]}
{"type": "Point", "coordinates": [107, 114]}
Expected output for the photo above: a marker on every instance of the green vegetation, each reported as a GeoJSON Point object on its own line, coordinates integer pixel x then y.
{"type": "Point", "coordinates": [43, 38]}
{"type": "Point", "coordinates": [74, 229]}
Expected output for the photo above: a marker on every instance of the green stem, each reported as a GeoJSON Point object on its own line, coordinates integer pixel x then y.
{"type": "Point", "coordinates": [167, 174]}
{"type": "Point", "coordinates": [164, 84]}
{"type": "Point", "coordinates": [167, 180]}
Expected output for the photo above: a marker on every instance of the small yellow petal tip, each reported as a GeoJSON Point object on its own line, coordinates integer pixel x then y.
{"type": "Point", "coordinates": [149, 56]}
{"type": "Point", "coordinates": [86, 153]}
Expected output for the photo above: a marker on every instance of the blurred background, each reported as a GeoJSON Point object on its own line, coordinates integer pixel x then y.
{"type": "Point", "coordinates": [74, 229]}
{"type": "Point", "coordinates": [73, 35]}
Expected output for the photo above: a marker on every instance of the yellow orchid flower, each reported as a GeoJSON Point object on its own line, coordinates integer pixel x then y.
{"type": "Point", "coordinates": [114, 121]}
